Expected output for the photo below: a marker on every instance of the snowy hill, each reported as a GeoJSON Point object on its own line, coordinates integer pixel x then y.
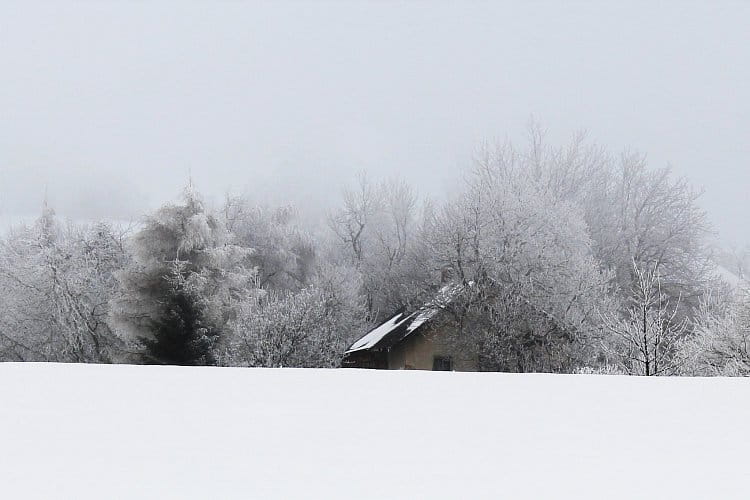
{"type": "Point", "coordinates": [84, 431]}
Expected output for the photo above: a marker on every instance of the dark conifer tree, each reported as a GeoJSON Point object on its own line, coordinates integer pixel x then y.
{"type": "Point", "coordinates": [180, 335]}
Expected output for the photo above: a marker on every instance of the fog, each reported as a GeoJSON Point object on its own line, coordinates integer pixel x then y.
{"type": "Point", "coordinates": [111, 107]}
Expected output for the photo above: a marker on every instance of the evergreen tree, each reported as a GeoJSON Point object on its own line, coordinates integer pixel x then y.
{"type": "Point", "coordinates": [180, 335]}
{"type": "Point", "coordinates": [177, 295]}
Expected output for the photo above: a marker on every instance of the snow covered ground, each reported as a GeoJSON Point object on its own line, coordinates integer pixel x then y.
{"type": "Point", "coordinates": [76, 431]}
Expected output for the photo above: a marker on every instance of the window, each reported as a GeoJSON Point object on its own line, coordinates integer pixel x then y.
{"type": "Point", "coordinates": [442, 364]}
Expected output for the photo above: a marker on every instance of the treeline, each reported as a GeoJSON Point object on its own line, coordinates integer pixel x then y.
{"type": "Point", "coordinates": [573, 260]}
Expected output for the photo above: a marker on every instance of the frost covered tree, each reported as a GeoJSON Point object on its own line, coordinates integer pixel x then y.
{"type": "Point", "coordinates": [377, 229]}
{"type": "Point", "coordinates": [634, 212]}
{"type": "Point", "coordinates": [57, 280]}
{"type": "Point", "coordinates": [645, 341]}
{"type": "Point", "coordinates": [720, 343]}
{"type": "Point", "coordinates": [535, 286]}
{"type": "Point", "coordinates": [652, 219]}
{"type": "Point", "coordinates": [311, 327]}
{"type": "Point", "coordinates": [183, 284]}
{"type": "Point", "coordinates": [351, 223]}
{"type": "Point", "coordinates": [390, 266]}
{"type": "Point", "coordinates": [283, 252]}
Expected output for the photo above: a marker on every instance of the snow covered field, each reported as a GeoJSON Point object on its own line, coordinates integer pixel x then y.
{"type": "Point", "coordinates": [84, 431]}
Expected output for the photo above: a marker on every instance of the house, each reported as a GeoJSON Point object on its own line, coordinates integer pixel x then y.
{"type": "Point", "coordinates": [417, 341]}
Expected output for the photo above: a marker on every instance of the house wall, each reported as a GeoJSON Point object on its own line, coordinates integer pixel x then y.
{"type": "Point", "coordinates": [366, 359]}
{"type": "Point", "coordinates": [418, 351]}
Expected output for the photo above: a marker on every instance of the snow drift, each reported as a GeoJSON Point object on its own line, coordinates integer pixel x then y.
{"type": "Point", "coordinates": [85, 431]}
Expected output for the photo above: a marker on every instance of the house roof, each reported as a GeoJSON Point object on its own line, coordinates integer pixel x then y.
{"type": "Point", "coordinates": [401, 326]}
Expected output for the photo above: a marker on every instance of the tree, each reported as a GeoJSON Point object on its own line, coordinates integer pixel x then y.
{"type": "Point", "coordinates": [283, 253]}
{"type": "Point", "coordinates": [656, 219]}
{"type": "Point", "coordinates": [350, 221]}
{"type": "Point", "coordinates": [181, 335]}
{"type": "Point", "coordinates": [720, 344]}
{"type": "Point", "coordinates": [633, 212]}
{"type": "Point", "coordinates": [57, 281]}
{"type": "Point", "coordinates": [645, 341]}
{"type": "Point", "coordinates": [308, 328]}
{"type": "Point", "coordinates": [377, 231]}
{"type": "Point", "coordinates": [181, 288]}
{"type": "Point", "coordinates": [534, 284]}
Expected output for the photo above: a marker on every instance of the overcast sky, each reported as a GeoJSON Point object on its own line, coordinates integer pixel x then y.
{"type": "Point", "coordinates": [110, 105]}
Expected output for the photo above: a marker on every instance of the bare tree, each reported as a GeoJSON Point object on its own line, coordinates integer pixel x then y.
{"type": "Point", "coordinates": [349, 222]}
{"type": "Point", "coordinates": [395, 221]}
{"type": "Point", "coordinates": [645, 341]}
{"type": "Point", "coordinates": [376, 230]}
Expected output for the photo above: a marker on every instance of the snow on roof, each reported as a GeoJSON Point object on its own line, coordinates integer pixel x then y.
{"type": "Point", "coordinates": [444, 296]}
{"type": "Point", "coordinates": [411, 322]}
{"type": "Point", "coordinates": [376, 335]}
{"type": "Point", "coordinates": [420, 318]}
